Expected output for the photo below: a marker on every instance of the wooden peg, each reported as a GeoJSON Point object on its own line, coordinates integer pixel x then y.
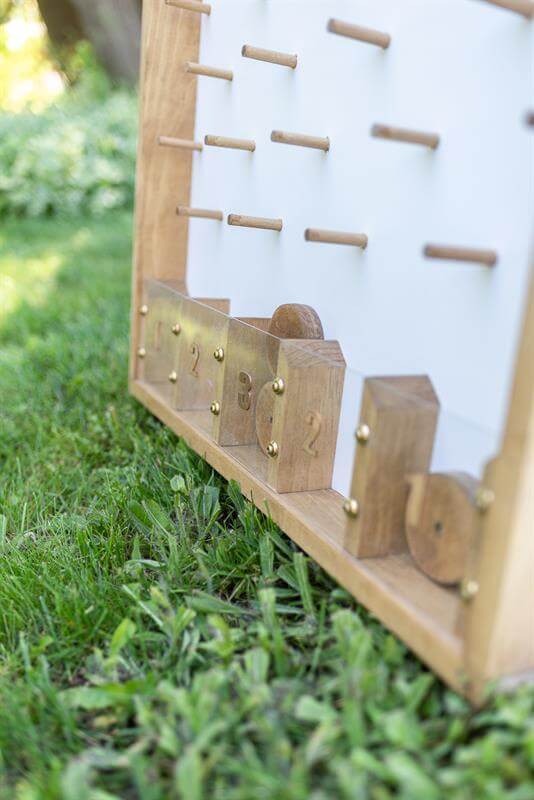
{"type": "Point", "coordinates": [487, 258]}
{"type": "Point", "coordinates": [190, 5]}
{"type": "Point", "coordinates": [431, 140]}
{"type": "Point", "coordinates": [209, 72]}
{"type": "Point", "coordinates": [201, 213]}
{"type": "Point", "coordinates": [301, 140]}
{"type": "Point", "coordinates": [524, 7]}
{"type": "Point", "coordinates": [184, 144]}
{"type": "Point", "coordinates": [367, 35]}
{"type": "Point", "coordinates": [272, 56]}
{"type": "Point", "coordinates": [441, 523]}
{"type": "Point", "coordinates": [336, 237]}
{"type": "Point", "coordinates": [529, 119]}
{"type": "Point", "coordinates": [229, 142]}
{"type": "Point", "coordinates": [400, 416]}
{"type": "Point", "coordinates": [240, 221]}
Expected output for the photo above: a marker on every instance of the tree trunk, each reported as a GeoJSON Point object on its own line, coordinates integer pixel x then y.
{"type": "Point", "coordinates": [112, 26]}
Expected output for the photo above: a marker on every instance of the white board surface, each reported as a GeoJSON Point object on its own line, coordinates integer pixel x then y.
{"type": "Point", "coordinates": [461, 68]}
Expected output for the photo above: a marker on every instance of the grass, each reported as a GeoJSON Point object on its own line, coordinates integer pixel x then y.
{"type": "Point", "coordinates": [159, 638]}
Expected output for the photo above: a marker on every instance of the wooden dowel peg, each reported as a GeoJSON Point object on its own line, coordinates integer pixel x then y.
{"type": "Point", "coordinates": [301, 140]}
{"type": "Point", "coordinates": [230, 143]}
{"type": "Point", "coordinates": [255, 222]}
{"type": "Point", "coordinates": [190, 5]}
{"type": "Point", "coordinates": [210, 72]}
{"type": "Point", "coordinates": [201, 213]}
{"type": "Point", "coordinates": [524, 7]}
{"type": "Point", "coordinates": [367, 35]}
{"type": "Point", "coordinates": [486, 257]}
{"type": "Point", "coordinates": [336, 237]}
{"type": "Point", "coordinates": [272, 56]}
{"type": "Point", "coordinates": [431, 140]}
{"type": "Point", "coordinates": [183, 144]}
{"type": "Point", "coordinates": [529, 119]}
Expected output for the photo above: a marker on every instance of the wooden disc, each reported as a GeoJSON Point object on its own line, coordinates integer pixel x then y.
{"type": "Point", "coordinates": [292, 321]}
{"type": "Point", "coordinates": [441, 522]}
{"type": "Point", "coordinates": [264, 415]}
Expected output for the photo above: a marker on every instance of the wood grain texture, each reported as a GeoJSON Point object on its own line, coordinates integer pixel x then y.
{"type": "Point", "coordinates": [367, 35]}
{"type": "Point", "coordinates": [523, 7]}
{"type": "Point", "coordinates": [306, 415]}
{"type": "Point", "coordinates": [167, 106]}
{"type": "Point", "coordinates": [406, 135]}
{"type": "Point", "coordinates": [499, 620]}
{"type": "Point", "coordinates": [402, 415]}
{"type": "Point", "coordinates": [471, 255]}
{"type": "Point", "coordinates": [271, 56]}
{"type": "Point", "coordinates": [441, 524]}
{"type": "Point", "coordinates": [423, 614]}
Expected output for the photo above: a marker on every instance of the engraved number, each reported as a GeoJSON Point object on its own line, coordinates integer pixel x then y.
{"type": "Point", "coordinates": [195, 352]}
{"type": "Point", "coordinates": [315, 422]}
{"type": "Point", "coordinates": [244, 395]}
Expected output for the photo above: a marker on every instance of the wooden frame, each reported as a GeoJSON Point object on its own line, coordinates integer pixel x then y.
{"type": "Point", "coordinates": [482, 638]}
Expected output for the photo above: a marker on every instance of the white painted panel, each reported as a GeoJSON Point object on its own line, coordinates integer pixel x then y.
{"type": "Point", "coordinates": [461, 68]}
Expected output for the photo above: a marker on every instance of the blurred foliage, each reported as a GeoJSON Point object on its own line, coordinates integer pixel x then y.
{"type": "Point", "coordinates": [76, 156]}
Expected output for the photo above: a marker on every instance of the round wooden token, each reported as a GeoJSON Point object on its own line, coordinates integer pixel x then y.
{"type": "Point", "coordinates": [264, 415]}
{"type": "Point", "coordinates": [441, 520]}
{"type": "Point", "coordinates": [292, 321]}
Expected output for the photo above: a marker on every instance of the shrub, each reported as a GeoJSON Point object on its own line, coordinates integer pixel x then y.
{"type": "Point", "coordinates": [77, 157]}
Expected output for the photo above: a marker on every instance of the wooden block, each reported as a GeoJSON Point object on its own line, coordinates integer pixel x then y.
{"type": "Point", "coordinates": [441, 524]}
{"type": "Point", "coordinates": [396, 437]}
{"type": "Point", "coordinates": [203, 324]}
{"type": "Point", "coordinates": [307, 396]}
{"type": "Point", "coordinates": [243, 373]}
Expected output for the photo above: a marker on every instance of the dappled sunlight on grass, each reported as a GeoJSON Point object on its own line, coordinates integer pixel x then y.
{"type": "Point", "coordinates": [26, 279]}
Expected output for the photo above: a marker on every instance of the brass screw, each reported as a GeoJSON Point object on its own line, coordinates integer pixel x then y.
{"type": "Point", "coordinates": [143, 310]}
{"type": "Point", "coordinates": [272, 449]}
{"type": "Point", "coordinates": [173, 377]}
{"type": "Point", "coordinates": [219, 354]}
{"type": "Point", "coordinates": [363, 433]}
{"type": "Point", "coordinates": [215, 408]}
{"type": "Point", "coordinates": [469, 589]}
{"type": "Point", "coordinates": [279, 386]}
{"type": "Point", "coordinates": [141, 352]}
{"type": "Point", "coordinates": [176, 329]}
{"type": "Point", "coordinates": [351, 508]}
{"type": "Point", "coordinates": [484, 499]}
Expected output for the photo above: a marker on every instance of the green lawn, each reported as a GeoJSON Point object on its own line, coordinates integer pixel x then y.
{"type": "Point", "coordinates": [159, 638]}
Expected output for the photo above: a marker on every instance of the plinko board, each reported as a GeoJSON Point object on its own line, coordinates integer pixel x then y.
{"type": "Point", "coordinates": [333, 294]}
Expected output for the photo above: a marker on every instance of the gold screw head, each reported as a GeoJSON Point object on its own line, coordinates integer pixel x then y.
{"type": "Point", "coordinates": [363, 433]}
{"type": "Point", "coordinates": [469, 589]}
{"type": "Point", "coordinates": [351, 508]}
{"type": "Point", "coordinates": [176, 329]}
{"type": "Point", "coordinates": [215, 408]}
{"type": "Point", "coordinates": [279, 386]}
{"type": "Point", "coordinates": [219, 354]}
{"type": "Point", "coordinates": [141, 352]}
{"type": "Point", "coordinates": [173, 377]}
{"type": "Point", "coordinates": [272, 449]}
{"type": "Point", "coordinates": [143, 310]}
{"type": "Point", "coordinates": [484, 499]}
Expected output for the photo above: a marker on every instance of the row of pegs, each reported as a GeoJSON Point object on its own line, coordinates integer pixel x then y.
{"type": "Point", "coordinates": [487, 258]}
{"type": "Point", "coordinates": [431, 140]}
{"type": "Point", "coordinates": [523, 7]}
